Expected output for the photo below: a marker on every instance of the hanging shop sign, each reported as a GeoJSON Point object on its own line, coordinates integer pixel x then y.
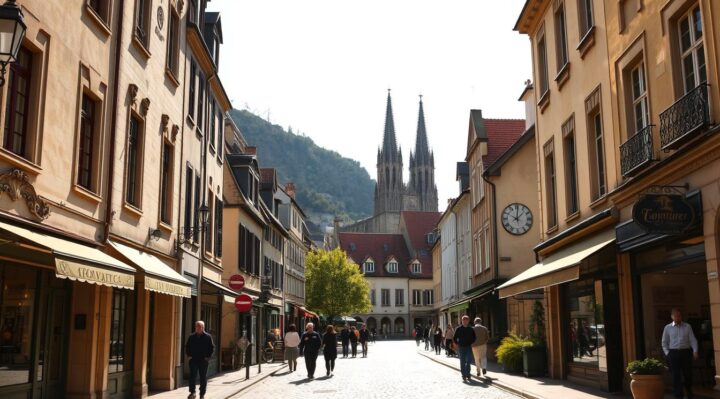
{"type": "Point", "coordinates": [664, 213]}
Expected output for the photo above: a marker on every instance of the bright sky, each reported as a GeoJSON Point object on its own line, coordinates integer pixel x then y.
{"type": "Point", "coordinates": [324, 67]}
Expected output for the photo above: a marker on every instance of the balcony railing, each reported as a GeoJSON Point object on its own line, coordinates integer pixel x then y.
{"type": "Point", "coordinates": [686, 116]}
{"type": "Point", "coordinates": [636, 152]}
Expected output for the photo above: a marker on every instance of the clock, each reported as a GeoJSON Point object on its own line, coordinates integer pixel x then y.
{"type": "Point", "coordinates": [517, 219]}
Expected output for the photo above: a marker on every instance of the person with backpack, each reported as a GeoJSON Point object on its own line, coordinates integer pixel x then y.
{"type": "Point", "coordinates": [354, 340]}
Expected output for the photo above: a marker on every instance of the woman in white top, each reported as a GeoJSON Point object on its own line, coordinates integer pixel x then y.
{"type": "Point", "coordinates": [292, 340]}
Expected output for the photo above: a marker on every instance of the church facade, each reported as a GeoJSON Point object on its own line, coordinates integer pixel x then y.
{"type": "Point", "coordinates": [392, 194]}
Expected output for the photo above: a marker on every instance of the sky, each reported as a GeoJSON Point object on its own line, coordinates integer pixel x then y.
{"type": "Point", "coordinates": [323, 67]}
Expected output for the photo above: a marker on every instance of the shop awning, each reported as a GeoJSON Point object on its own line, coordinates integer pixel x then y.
{"type": "Point", "coordinates": [560, 267]}
{"type": "Point", "coordinates": [308, 313]}
{"type": "Point", "coordinates": [228, 294]}
{"type": "Point", "coordinates": [159, 277]}
{"type": "Point", "coordinates": [79, 262]}
{"type": "Point", "coordinates": [459, 306]}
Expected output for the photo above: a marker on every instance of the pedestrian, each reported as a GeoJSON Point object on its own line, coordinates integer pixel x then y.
{"type": "Point", "coordinates": [292, 340]}
{"type": "Point", "coordinates": [373, 334]}
{"type": "Point", "coordinates": [584, 339]}
{"type": "Point", "coordinates": [437, 340]}
{"type": "Point", "coordinates": [345, 340]}
{"type": "Point", "coordinates": [479, 347]}
{"type": "Point", "coordinates": [330, 342]}
{"type": "Point", "coordinates": [310, 344]}
{"type": "Point", "coordinates": [426, 337]}
{"type": "Point", "coordinates": [464, 337]}
{"type": "Point", "coordinates": [680, 347]}
{"type": "Point", "coordinates": [449, 332]}
{"type": "Point", "coordinates": [364, 338]}
{"type": "Point", "coordinates": [354, 340]}
{"type": "Point", "coordinates": [199, 348]}
{"type": "Point", "coordinates": [418, 332]}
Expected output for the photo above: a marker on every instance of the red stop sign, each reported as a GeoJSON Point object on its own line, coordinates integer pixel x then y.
{"type": "Point", "coordinates": [237, 282]}
{"type": "Point", "coordinates": [243, 303]}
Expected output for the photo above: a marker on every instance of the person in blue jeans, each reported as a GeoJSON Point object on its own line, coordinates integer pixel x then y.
{"type": "Point", "coordinates": [464, 338]}
{"type": "Point", "coordinates": [199, 348]}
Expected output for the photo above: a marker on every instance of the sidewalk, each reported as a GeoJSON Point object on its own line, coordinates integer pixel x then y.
{"type": "Point", "coordinates": [226, 385]}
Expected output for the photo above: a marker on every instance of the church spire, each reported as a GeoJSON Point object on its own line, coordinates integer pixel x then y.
{"type": "Point", "coordinates": [389, 146]}
{"type": "Point", "coordinates": [422, 151]}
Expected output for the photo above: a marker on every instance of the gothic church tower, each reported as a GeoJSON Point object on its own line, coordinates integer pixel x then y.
{"type": "Point", "coordinates": [422, 169]}
{"type": "Point", "coordinates": [389, 187]}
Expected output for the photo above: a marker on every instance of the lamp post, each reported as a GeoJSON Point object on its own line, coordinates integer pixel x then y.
{"type": "Point", "coordinates": [12, 32]}
{"type": "Point", "coordinates": [204, 212]}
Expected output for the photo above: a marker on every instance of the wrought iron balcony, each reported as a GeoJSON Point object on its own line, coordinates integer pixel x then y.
{"type": "Point", "coordinates": [686, 116]}
{"type": "Point", "coordinates": [636, 152]}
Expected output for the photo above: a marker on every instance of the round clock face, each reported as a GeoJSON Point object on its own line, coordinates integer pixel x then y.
{"type": "Point", "coordinates": [517, 219]}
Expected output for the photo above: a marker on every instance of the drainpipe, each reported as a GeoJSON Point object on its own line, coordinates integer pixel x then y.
{"type": "Point", "coordinates": [494, 230]}
{"type": "Point", "coordinates": [113, 125]}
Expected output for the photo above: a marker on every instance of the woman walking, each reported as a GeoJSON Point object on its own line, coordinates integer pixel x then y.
{"type": "Point", "coordinates": [292, 340]}
{"type": "Point", "coordinates": [354, 340]}
{"type": "Point", "coordinates": [437, 340]}
{"type": "Point", "coordinates": [449, 335]}
{"type": "Point", "coordinates": [330, 342]}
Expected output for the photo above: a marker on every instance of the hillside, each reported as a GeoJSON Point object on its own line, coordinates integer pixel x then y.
{"type": "Point", "coordinates": [327, 184]}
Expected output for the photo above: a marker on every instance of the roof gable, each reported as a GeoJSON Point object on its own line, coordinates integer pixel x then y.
{"type": "Point", "coordinates": [501, 133]}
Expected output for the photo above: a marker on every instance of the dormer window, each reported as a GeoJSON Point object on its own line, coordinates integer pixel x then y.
{"type": "Point", "coordinates": [392, 266]}
{"type": "Point", "coordinates": [416, 267]}
{"type": "Point", "coordinates": [369, 266]}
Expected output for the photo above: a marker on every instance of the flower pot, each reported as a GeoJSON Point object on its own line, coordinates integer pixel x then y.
{"type": "Point", "coordinates": [534, 361]}
{"type": "Point", "coordinates": [647, 386]}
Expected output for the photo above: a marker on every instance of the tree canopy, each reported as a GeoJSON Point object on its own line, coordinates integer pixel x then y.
{"type": "Point", "coordinates": [334, 285]}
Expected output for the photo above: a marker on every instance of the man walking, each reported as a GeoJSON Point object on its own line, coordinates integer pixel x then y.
{"type": "Point", "coordinates": [364, 338]}
{"type": "Point", "coordinates": [680, 347]}
{"type": "Point", "coordinates": [345, 339]}
{"type": "Point", "coordinates": [310, 344]}
{"type": "Point", "coordinates": [199, 348]}
{"type": "Point", "coordinates": [479, 347]}
{"type": "Point", "coordinates": [464, 338]}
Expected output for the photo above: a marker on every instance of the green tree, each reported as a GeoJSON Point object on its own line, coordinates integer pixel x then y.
{"type": "Point", "coordinates": [334, 285]}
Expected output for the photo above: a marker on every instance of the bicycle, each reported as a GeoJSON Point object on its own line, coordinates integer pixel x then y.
{"type": "Point", "coordinates": [268, 354]}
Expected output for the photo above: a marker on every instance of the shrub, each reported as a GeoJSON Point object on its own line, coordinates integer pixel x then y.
{"type": "Point", "coordinates": [648, 366]}
{"type": "Point", "coordinates": [509, 353]}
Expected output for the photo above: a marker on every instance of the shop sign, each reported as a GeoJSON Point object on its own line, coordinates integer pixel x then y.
{"type": "Point", "coordinates": [167, 287]}
{"type": "Point", "coordinates": [664, 213]}
{"type": "Point", "coordinates": [96, 275]}
{"type": "Point", "coordinates": [237, 282]}
{"type": "Point", "coordinates": [243, 303]}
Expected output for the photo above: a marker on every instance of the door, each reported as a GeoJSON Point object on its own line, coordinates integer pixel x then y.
{"type": "Point", "coordinates": [613, 337]}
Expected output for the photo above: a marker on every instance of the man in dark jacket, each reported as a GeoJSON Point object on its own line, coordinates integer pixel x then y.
{"type": "Point", "coordinates": [364, 338]}
{"type": "Point", "coordinates": [310, 344]}
{"type": "Point", "coordinates": [464, 338]}
{"type": "Point", "coordinates": [345, 339]}
{"type": "Point", "coordinates": [199, 348]}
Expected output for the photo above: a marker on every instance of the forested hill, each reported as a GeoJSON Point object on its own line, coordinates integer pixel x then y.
{"type": "Point", "coordinates": [327, 184]}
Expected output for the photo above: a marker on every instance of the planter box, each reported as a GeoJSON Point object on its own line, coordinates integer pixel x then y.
{"type": "Point", "coordinates": [534, 362]}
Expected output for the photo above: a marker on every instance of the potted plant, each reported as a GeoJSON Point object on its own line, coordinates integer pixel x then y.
{"type": "Point", "coordinates": [534, 356]}
{"type": "Point", "coordinates": [510, 352]}
{"type": "Point", "coordinates": [646, 377]}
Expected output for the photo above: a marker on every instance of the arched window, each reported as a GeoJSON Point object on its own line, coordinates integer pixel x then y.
{"type": "Point", "coordinates": [400, 325]}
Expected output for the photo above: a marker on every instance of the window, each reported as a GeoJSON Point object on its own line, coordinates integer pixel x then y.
{"type": "Point", "coordinates": [218, 227]}
{"type": "Point", "coordinates": [189, 177]}
{"type": "Point", "coordinates": [173, 46]}
{"type": "Point", "coordinates": [385, 297]}
{"type": "Point", "coordinates": [211, 129]}
{"type": "Point", "coordinates": [196, 219]}
{"type": "Point", "coordinates": [690, 32]}
{"type": "Point", "coordinates": [220, 134]}
{"type": "Point", "coordinates": [416, 267]}
{"type": "Point", "coordinates": [210, 222]}
{"type": "Point", "coordinates": [392, 267]}
{"type": "Point", "coordinates": [101, 8]}
{"type": "Point", "coordinates": [372, 297]}
{"type": "Point", "coordinates": [550, 185]}
{"type": "Point", "coordinates": [596, 147]}
{"type": "Point", "coordinates": [487, 248]}
{"type": "Point", "coordinates": [640, 111]}
{"type": "Point", "coordinates": [542, 64]}
{"type": "Point", "coordinates": [369, 266]}
{"type": "Point", "coordinates": [86, 169]}
{"type": "Point", "coordinates": [478, 254]}
{"type": "Point", "coordinates": [142, 21]}
{"type": "Point", "coordinates": [166, 176]}
{"type": "Point", "coordinates": [201, 102]}
{"type": "Point", "coordinates": [122, 331]}
{"type": "Point", "coordinates": [571, 186]}
{"type": "Point", "coordinates": [191, 89]}
{"type": "Point", "coordinates": [417, 297]}
{"type": "Point", "coordinates": [133, 188]}
{"type": "Point", "coordinates": [399, 297]}
{"type": "Point", "coordinates": [17, 105]}
{"type": "Point", "coordinates": [428, 297]}
{"type": "Point", "coordinates": [585, 14]}
{"type": "Point", "coordinates": [561, 50]}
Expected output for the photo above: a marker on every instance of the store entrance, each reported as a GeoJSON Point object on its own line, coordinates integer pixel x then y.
{"type": "Point", "coordinates": [52, 343]}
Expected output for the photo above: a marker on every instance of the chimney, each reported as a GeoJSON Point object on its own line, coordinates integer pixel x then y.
{"type": "Point", "coordinates": [290, 189]}
{"type": "Point", "coordinates": [251, 150]}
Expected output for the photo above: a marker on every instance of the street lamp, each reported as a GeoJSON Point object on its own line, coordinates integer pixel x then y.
{"type": "Point", "coordinates": [12, 32]}
{"type": "Point", "coordinates": [204, 212]}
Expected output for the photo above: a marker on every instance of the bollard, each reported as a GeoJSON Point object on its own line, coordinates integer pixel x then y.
{"type": "Point", "coordinates": [248, 358]}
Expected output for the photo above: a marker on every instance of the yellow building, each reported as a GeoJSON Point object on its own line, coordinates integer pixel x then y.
{"type": "Point", "coordinates": [628, 160]}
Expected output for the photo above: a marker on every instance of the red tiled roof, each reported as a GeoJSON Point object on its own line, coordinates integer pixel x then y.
{"type": "Point", "coordinates": [379, 247]}
{"type": "Point", "coordinates": [501, 133]}
{"type": "Point", "coordinates": [418, 225]}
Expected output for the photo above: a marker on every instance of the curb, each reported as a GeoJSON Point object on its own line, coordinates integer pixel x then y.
{"type": "Point", "coordinates": [255, 381]}
{"type": "Point", "coordinates": [495, 383]}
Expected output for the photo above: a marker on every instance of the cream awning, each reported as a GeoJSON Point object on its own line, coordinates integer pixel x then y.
{"type": "Point", "coordinates": [77, 261]}
{"type": "Point", "coordinates": [159, 277]}
{"type": "Point", "coordinates": [560, 267]}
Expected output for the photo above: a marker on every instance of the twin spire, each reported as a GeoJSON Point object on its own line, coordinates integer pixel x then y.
{"type": "Point", "coordinates": [389, 149]}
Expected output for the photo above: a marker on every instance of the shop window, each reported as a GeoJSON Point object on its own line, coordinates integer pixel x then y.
{"type": "Point", "coordinates": [121, 332]}
{"type": "Point", "coordinates": [586, 328]}
{"type": "Point", "coordinates": [17, 308]}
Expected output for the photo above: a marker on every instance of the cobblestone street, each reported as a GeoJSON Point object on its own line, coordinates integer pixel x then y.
{"type": "Point", "coordinates": [393, 369]}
